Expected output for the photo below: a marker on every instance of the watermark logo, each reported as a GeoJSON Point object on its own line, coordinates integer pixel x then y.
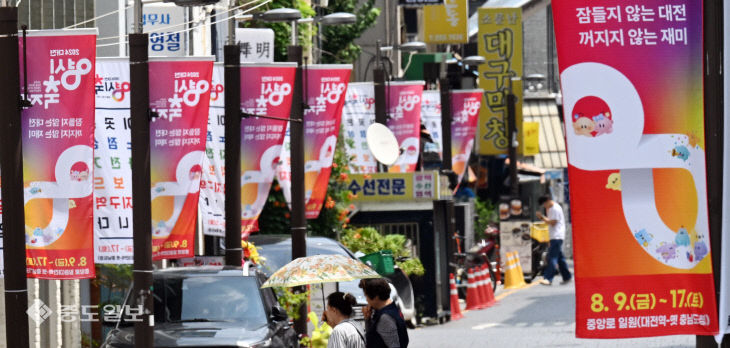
{"type": "Point", "coordinates": [39, 312]}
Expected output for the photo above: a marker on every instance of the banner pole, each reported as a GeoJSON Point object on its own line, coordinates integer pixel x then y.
{"type": "Point", "coordinates": [141, 182]}
{"type": "Point", "coordinates": [298, 218]}
{"type": "Point", "coordinates": [232, 78]}
{"type": "Point", "coordinates": [713, 104]}
{"type": "Point", "coordinates": [445, 90]}
{"type": "Point", "coordinates": [11, 162]}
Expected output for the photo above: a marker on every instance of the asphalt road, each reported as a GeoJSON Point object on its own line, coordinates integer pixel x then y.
{"type": "Point", "coordinates": [534, 316]}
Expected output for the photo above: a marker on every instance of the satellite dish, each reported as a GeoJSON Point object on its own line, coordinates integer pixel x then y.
{"type": "Point", "coordinates": [383, 144]}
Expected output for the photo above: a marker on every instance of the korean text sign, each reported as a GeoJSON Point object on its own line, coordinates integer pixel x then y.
{"type": "Point", "coordinates": [380, 187]}
{"type": "Point", "coordinates": [358, 114]}
{"type": "Point", "coordinates": [446, 23]}
{"type": "Point", "coordinates": [325, 89]}
{"type": "Point", "coordinates": [500, 42]}
{"type": "Point", "coordinates": [112, 163]}
{"type": "Point", "coordinates": [404, 112]}
{"type": "Point", "coordinates": [180, 95]}
{"type": "Point", "coordinates": [212, 195]}
{"type": "Point", "coordinates": [464, 116]}
{"type": "Point", "coordinates": [636, 150]}
{"type": "Point", "coordinates": [265, 90]}
{"type": "Point", "coordinates": [58, 135]}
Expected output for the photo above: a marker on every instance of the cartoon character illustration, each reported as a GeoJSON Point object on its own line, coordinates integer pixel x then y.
{"type": "Point", "coordinates": [667, 251]}
{"type": "Point", "coordinates": [604, 125]}
{"type": "Point", "coordinates": [681, 152]}
{"type": "Point", "coordinates": [700, 250]}
{"type": "Point", "coordinates": [643, 237]}
{"type": "Point", "coordinates": [583, 125]}
{"type": "Point", "coordinates": [682, 237]}
{"type": "Point", "coordinates": [614, 182]}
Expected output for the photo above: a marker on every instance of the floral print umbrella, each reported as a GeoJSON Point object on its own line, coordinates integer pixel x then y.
{"type": "Point", "coordinates": [320, 269]}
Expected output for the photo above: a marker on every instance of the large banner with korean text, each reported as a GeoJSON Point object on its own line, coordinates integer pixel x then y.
{"type": "Point", "coordinates": [266, 90]}
{"type": "Point", "coordinates": [112, 164]}
{"type": "Point", "coordinates": [464, 118]}
{"type": "Point", "coordinates": [357, 115]}
{"type": "Point", "coordinates": [404, 119]}
{"type": "Point", "coordinates": [500, 42]}
{"type": "Point", "coordinates": [324, 93]}
{"type": "Point", "coordinates": [180, 96]}
{"type": "Point", "coordinates": [212, 198]}
{"type": "Point", "coordinates": [58, 154]}
{"type": "Point", "coordinates": [636, 146]}
{"type": "Point", "coordinates": [431, 118]}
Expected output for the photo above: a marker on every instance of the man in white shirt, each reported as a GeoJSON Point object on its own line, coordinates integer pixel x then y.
{"type": "Point", "coordinates": [556, 225]}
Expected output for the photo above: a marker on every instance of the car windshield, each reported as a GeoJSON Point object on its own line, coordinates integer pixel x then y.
{"type": "Point", "coordinates": [209, 298]}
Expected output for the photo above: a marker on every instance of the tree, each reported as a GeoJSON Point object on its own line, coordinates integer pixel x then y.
{"type": "Point", "coordinates": [338, 40]}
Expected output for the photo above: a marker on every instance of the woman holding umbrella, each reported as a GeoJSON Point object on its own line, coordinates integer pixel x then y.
{"type": "Point", "coordinates": [346, 333]}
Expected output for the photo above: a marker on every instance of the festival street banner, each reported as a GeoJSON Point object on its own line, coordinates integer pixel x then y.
{"type": "Point", "coordinates": [431, 117]}
{"type": "Point", "coordinates": [500, 42]}
{"type": "Point", "coordinates": [180, 95]}
{"type": "Point", "coordinates": [357, 115]}
{"type": "Point", "coordinates": [324, 93]}
{"type": "Point", "coordinates": [212, 198]}
{"type": "Point", "coordinates": [266, 90]}
{"type": "Point", "coordinates": [724, 308]}
{"type": "Point", "coordinates": [636, 150]}
{"type": "Point", "coordinates": [58, 135]}
{"type": "Point", "coordinates": [404, 119]}
{"type": "Point", "coordinates": [464, 117]}
{"type": "Point", "coordinates": [112, 164]}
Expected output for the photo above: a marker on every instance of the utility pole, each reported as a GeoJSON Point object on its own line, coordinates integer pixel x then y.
{"type": "Point", "coordinates": [11, 163]}
{"type": "Point", "coordinates": [296, 134]}
{"type": "Point", "coordinates": [232, 78]}
{"type": "Point", "coordinates": [379, 86]}
{"type": "Point", "coordinates": [445, 91]}
{"type": "Point", "coordinates": [140, 114]}
{"type": "Point", "coordinates": [511, 100]}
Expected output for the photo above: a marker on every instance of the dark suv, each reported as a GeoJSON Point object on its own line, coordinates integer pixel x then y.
{"type": "Point", "coordinates": [211, 307]}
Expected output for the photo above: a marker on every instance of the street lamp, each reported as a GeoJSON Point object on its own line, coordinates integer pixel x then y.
{"type": "Point", "coordinates": [337, 18]}
{"type": "Point", "coordinates": [298, 219]}
{"type": "Point", "coordinates": [11, 161]}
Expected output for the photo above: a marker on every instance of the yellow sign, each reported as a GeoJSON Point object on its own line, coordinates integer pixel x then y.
{"type": "Point", "coordinates": [379, 187]}
{"type": "Point", "coordinates": [530, 138]}
{"type": "Point", "coordinates": [446, 23]}
{"type": "Point", "coordinates": [500, 42]}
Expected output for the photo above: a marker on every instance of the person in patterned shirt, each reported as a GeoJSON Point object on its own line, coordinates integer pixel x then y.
{"type": "Point", "coordinates": [346, 333]}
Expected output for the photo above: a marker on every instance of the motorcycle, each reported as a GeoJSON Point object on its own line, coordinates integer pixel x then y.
{"type": "Point", "coordinates": [486, 251]}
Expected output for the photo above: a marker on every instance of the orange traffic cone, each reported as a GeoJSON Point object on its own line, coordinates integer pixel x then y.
{"type": "Point", "coordinates": [455, 307]}
{"type": "Point", "coordinates": [472, 294]}
{"type": "Point", "coordinates": [483, 285]}
{"type": "Point", "coordinates": [488, 292]}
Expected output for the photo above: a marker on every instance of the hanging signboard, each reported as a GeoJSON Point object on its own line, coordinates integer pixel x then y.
{"type": "Point", "coordinates": [212, 195]}
{"type": "Point", "coordinates": [500, 43]}
{"type": "Point", "coordinates": [404, 119]}
{"type": "Point", "coordinates": [324, 92]}
{"type": "Point", "coordinates": [265, 90]}
{"type": "Point", "coordinates": [636, 146]}
{"type": "Point", "coordinates": [431, 118]}
{"type": "Point", "coordinates": [464, 117]}
{"type": "Point", "coordinates": [257, 45]}
{"type": "Point", "coordinates": [167, 28]}
{"type": "Point", "coordinates": [58, 135]}
{"type": "Point", "coordinates": [112, 164]}
{"type": "Point", "coordinates": [180, 95]}
{"type": "Point", "coordinates": [357, 115]}
{"type": "Point", "coordinates": [446, 23]}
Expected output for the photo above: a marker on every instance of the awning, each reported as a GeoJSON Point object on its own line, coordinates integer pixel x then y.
{"type": "Point", "coordinates": [552, 140]}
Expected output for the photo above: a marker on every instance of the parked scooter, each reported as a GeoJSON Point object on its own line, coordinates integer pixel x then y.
{"type": "Point", "coordinates": [486, 251]}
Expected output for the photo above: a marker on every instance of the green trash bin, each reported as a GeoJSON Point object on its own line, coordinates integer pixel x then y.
{"type": "Point", "coordinates": [381, 261]}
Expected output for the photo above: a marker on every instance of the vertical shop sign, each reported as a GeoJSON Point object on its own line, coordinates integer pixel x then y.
{"type": "Point", "coordinates": [357, 115]}
{"type": "Point", "coordinates": [500, 42]}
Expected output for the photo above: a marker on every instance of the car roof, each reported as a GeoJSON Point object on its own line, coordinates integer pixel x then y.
{"type": "Point", "coordinates": [202, 271]}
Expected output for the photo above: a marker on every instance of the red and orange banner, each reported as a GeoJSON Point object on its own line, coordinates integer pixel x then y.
{"type": "Point", "coordinates": [636, 150]}
{"type": "Point", "coordinates": [58, 154]}
{"type": "Point", "coordinates": [465, 106]}
{"type": "Point", "coordinates": [404, 119]}
{"type": "Point", "coordinates": [325, 87]}
{"type": "Point", "coordinates": [266, 90]}
{"type": "Point", "coordinates": [180, 95]}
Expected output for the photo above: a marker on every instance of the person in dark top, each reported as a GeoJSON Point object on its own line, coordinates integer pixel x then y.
{"type": "Point", "coordinates": [384, 324]}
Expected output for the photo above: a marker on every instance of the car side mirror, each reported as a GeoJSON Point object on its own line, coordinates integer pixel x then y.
{"type": "Point", "coordinates": [278, 313]}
